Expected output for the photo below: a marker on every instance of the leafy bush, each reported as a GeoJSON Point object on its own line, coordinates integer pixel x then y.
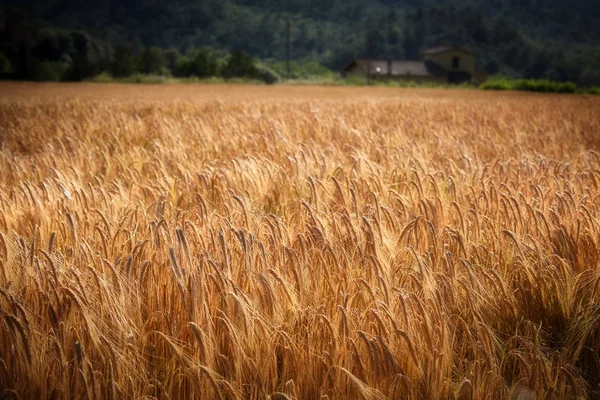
{"type": "Point", "coordinates": [124, 62]}
{"type": "Point", "coordinates": [544, 85]}
{"type": "Point", "coordinates": [310, 70]}
{"type": "Point", "coordinates": [141, 78]}
{"type": "Point", "coordinates": [354, 81]}
{"type": "Point", "coordinates": [200, 64]}
{"type": "Point", "coordinates": [210, 79]}
{"type": "Point", "coordinates": [594, 90]}
{"type": "Point", "coordinates": [153, 61]}
{"type": "Point", "coordinates": [103, 77]}
{"type": "Point", "coordinates": [496, 83]}
{"type": "Point", "coordinates": [267, 75]}
{"type": "Point", "coordinates": [530, 85]}
{"type": "Point", "coordinates": [240, 65]}
{"type": "Point", "coordinates": [567, 87]}
{"type": "Point", "coordinates": [145, 78]}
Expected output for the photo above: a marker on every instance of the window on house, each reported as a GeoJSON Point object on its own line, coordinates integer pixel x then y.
{"type": "Point", "coordinates": [455, 62]}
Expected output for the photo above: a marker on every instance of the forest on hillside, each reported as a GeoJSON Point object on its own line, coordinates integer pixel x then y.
{"type": "Point", "coordinates": [550, 39]}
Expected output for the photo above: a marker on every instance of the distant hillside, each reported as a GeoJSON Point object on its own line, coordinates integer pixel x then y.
{"type": "Point", "coordinates": [555, 39]}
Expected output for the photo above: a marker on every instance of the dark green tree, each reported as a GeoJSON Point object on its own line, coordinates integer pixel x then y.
{"type": "Point", "coordinates": [590, 76]}
{"type": "Point", "coordinates": [183, 69]}
{"type": "Point", "coordinates": [124, 62]}
{"type": "Point", "coordinates": [87, 56]}
{"type": "Point", "coordinates": [510, 32]}
{"type": "Point", "coordinates": [172, 57]}
{"type": "Point", "coordinates": [153, 61]}
{"type": "Point", "coordinates": [199, 63]}
{"type": "Point", "coordinates": [240, 65]}
{"type": "Point", "coordinates": [204, 64]}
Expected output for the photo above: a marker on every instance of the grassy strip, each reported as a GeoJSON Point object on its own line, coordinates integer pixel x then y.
{"type": "Point", "coordinates": [493, 83]}
{"type": "Point", "coordinates": [535, 85]}
{"type": "Point", "coordinates": [330, 80]}
{"type": "Point", "coordinates": [159, 79]}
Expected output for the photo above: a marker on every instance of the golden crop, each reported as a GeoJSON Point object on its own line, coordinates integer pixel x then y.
{"type": "Point", "coordinates": [298, 243]}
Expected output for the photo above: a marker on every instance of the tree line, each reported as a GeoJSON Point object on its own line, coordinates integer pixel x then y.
{"type": "Point", "coordinates": [533, 39]}
{"type": "Point", "coordinates": [73, 55]}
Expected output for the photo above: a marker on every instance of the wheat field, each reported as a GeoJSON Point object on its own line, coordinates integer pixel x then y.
{"type": "Point", "coordinates": [253, 242]}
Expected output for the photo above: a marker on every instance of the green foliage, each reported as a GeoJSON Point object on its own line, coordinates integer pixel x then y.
{"type": "Point", "coordinates": [268, 75]}
{"type": "Point", "coordinates": [183, 68]}
{"type": "Point", "coordinates": [544, 85]}
{"type": "Point", "coordinates": [124, 62]}
{"type": "Point", "coordinates": [522, 39]}
{"type": "Point", "coordinates": [204, 64]}
{"type": "Point", "coordinates": [496, 83]}
{"type": "Point", "coordinates": [595, 90]}
{"type": "Point", "coordinates": [153, 61]}
{"type": "Point", "coordinates": [103, 77]}
{"type": "Point", "coordinates": [144, 78]}
{"type": "Point", "coordinates": [59, 54]}
{"type": "Point", "coordinates": [85, 55]}
{"type": "Point", "coordinates": [200, 64]}
{"type": "Point", "coordinates": [240, 65]}
{"type": "Point", "coordinates": [172, 58]}
{"type": "Point", "coordinates": [303, 70]}
{"type": "Point", "coordinates": [590, 75]}
{"type": "Point", "coordinates": [530, 85]}
{"type": "Point", "coordinates": [354, 81]}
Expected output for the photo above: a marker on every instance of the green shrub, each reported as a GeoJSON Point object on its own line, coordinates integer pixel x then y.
{"type": "Point", "coordinates": [268, 75]}
{"type": "Point", "coordinates": [307, 71]}
{"type": "Point", "coordinates": [496, 83]}
{"type": "Point", "coordinates": [529, 85]}
{"type": "Point", "coordinates": [238, 81]}
{"type": "Point", "coordinates": [595, 90]}
{"type": "Point", "coordinates": [567, 87]}
{"type": "Point", "coordinates": [354, 81]}
{"type": "Point", "coordinates": [240, 65]}
{"type": "Point", "coordinates": [195, 79]}
{"type": "Point", "coordinates": [143, 78]}
{"type": "Point", "coordinates": [103, 77]}
{"type": "Point", "coordinates": [545, 86]}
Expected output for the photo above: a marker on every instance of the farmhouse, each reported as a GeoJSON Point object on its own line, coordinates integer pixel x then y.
{"type": "Point", "coordinates": [446, 64]}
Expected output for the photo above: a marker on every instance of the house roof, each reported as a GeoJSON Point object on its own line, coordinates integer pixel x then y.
{"type": "Point", "coordinates": [399, 68]}
{"type": "Point", "coordinates": [443, 49]}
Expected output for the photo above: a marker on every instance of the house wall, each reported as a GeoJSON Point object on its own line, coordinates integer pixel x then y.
{"type": "Point", "coordinates": [467, 61]}
{"type": "Point", "coordinates": [356, 72]}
